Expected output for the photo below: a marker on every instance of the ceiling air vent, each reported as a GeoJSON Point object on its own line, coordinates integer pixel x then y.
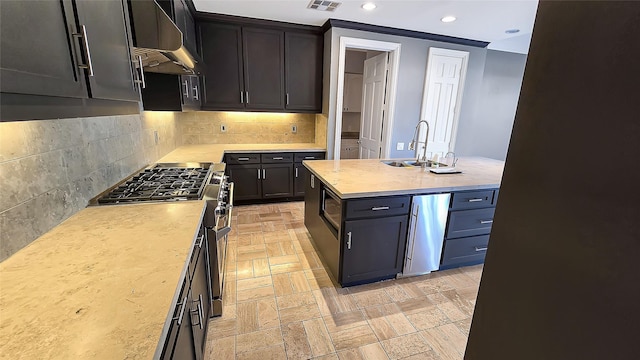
{"type": "Point", "coordinates": [323, 5]}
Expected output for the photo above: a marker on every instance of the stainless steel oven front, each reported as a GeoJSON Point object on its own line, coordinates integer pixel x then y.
{"type": "Point", "coordinates": [217, 237]}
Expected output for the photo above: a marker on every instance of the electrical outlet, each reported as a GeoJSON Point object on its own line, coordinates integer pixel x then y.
{"type": "Point", "coordinates": [294, 129]}
{"type": "Point", "coordinates": [223, 128]}
{"type": "Point", "coordinates": [400, 146]}
{"type": "Point", "coordinates": [156, 138]}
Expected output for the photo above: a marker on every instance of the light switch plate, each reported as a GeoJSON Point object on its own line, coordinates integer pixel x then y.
{"type": "Point", "coordinates": [294, 129]}
{"type": "Point", "coordinates": [223, 128]}
{"type": "Point", "coordinates": [400, 146]}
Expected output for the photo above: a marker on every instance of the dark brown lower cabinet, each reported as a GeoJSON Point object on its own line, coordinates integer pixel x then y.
{"type": "Point", "coordinates": [373, 249]}
{"type": "Point", "coordinates": [247, 180]}
{"type": "Point", "coordinates": [299, 174]}
{"type": "Point", "coordinates": [268, 175]}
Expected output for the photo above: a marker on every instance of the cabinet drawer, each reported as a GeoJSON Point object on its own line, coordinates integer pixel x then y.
{"type": "Point", "coordinates": [471, 199]}
{"type": "Point", "coordinates": [273, 158]}
{"type": "Point", "coordinates": [384, 206]}
{"type": "Point", "coordinates": [470, 222]}
{"type": "Point", "coordinates": [299, 157]}
{"type": "Point", "coordinates": [467, 250]}
{"type": "Point", "coordinates": [242, 158]}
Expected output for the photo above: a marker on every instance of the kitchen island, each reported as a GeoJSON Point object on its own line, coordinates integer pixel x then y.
{"type": "Point", "coordinates": [99, 285]}
{"type": "Point", "coordinates": [363, 217]}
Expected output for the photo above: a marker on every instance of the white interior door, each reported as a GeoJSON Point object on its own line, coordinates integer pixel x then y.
{"type": "Point", "coordinates": [441, 100]}
{"type": "Point", "coordinates": [373, 106]}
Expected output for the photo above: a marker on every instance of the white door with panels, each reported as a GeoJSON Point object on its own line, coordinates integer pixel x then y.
{"type": "Point", "coordinates": [373, 106]}
{"type": "Point", "coordinates": [441, 100]}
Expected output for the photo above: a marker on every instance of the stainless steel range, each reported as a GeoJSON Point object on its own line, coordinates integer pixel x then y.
{"type": "Point", "coordinates": [181, 182]}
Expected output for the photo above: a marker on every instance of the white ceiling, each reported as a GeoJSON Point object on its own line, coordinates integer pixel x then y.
{"type": "Point", "coordinates": [476, 19]}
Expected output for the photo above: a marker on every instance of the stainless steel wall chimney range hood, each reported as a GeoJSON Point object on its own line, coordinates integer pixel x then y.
{"type": "Point", "coordinates": [158, 43]}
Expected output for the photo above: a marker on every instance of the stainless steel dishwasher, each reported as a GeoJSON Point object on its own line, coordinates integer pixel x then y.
{"type": "Point", "coordinates": [426, 233]}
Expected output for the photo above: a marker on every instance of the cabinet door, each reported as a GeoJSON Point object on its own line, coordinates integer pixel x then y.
{"type": "Point", "coordinates": [277, 180]}
{"type": "Point", "coordinates": [263, 53]}
{"type": "Point", "coordinates": [352, 93]}
{"type": "Point", "coordinates": [303, 71]}
{"type": "Point", "coordinates": [247, 179]}
{"type": "Point", "coordinates": [299, 174]}
{"type": "Point", "coordinates": [184, 348]}
{"type": "Point", "coordinates": [373, 249]}
{"type": "Point", "coordinates": [221, 50]}
{"type": "Point", "coordinates": [38, 50]}
{"type": "Point", "coordinates": [109, 43]}
{"type": "Point", "coordinates": [200, 303]}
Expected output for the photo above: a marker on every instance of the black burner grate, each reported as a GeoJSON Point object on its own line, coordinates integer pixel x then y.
{"type": "Point", "coordinates": [159, 184]}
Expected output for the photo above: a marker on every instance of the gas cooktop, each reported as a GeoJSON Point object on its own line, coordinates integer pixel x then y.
{"type": "Point", "coordinates": [162, 182]}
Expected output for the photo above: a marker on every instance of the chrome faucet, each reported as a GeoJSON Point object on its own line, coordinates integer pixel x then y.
{"type": "Point", "coordinates": [414, 141]}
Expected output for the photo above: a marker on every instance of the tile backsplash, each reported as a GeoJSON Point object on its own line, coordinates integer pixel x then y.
{"type": "Point", "coordinates": [204, 127]}
{"type": "Point", "coordinates": [50, 169]}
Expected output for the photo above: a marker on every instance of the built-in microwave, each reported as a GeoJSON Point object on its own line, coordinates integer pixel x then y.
{"type": "Point", "coordinates": [331, 209]}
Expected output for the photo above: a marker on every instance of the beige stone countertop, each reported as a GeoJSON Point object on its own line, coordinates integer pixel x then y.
{"type": "Point", "coordinates": [368, 178]}
{"type": "Point", "coordinates": [99, 285]}
{"type": "Point", "coordinates": [215, 152]}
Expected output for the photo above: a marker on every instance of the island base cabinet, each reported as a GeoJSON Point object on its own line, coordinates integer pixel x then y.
{"type": "Point", "coordinates": [373, 249]}
{"type": "Point", "coordinates": [464, 251]}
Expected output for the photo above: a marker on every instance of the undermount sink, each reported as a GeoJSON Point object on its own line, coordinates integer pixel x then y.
{"type": "Point", "coordinates": [413, 163]}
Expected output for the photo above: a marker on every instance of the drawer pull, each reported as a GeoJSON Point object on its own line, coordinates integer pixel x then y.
{"type": "Point", "coordinates": [278, 158]}
{"type": "Point", "coordinates": [179, 317]}
{"type": "Point", "coordinates": [349, 240]}
{"type": "Point", "coordinates": [258, 174]}
{"type": "Point", "coordinates": [309, 157]}
{"type": "Point", "coordinates": [243, 159]}
{"type": "Point", "coordinates": [486, 222]}
{"type": "Point", "coordinates": [475, 200]}
{"type": "Point", "coordinates": [379, 208]}
{"type": "Point", "coordinates": [478, 249]}
{"type": "Point", "coordinates": [201, 240]}
{"type": "Point", "coordinates": [296, 172]}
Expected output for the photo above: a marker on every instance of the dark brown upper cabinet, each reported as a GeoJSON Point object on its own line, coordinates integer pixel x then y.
{"type": "Point", "coordinates": [45, 51]}
{"type": "Point", "coordinates": [263, 65]}
{"type": "Point", "coordinates": [260, 68]}
{"type": "Point", "coordinates": [303, 71]}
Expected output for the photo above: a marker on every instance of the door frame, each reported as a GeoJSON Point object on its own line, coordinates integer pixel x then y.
{"type": "Point", "coordinates": [394, 59]}
{"type": "Point", "coordinates": [464, 55]}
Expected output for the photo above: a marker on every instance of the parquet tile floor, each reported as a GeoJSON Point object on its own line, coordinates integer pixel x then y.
{"type": "Point", "coordinates": [279, 302]}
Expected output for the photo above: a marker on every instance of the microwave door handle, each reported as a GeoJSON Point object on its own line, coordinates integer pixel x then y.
{"type": "Point", "coordinates": [324, 196]}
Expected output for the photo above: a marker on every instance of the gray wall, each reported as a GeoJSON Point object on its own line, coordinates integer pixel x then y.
{"type": "Point", "coordinates": [413, 64]}
{"type": "Point", "coordinates": [488, 132]}
{"type": "Point", "coordinates": [489, 98]}
{"type": "Point", "coordinates": [354, 61]}
{"type": "Point", "coordinates": [49, 169]}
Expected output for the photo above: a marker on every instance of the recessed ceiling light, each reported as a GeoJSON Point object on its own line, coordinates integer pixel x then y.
{"type": "Point", "coordinates": [447, 19]}
{"type": "Point", "coordinates": [512, 31]}
{"type": "Point", "coordinates": [369, 6]}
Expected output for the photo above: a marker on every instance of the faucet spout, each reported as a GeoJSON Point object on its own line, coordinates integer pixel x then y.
{"type": "Point", "coordinates": [415, 141]}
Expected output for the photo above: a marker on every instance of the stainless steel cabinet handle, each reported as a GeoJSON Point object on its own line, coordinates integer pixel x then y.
{"type": "Point", "coordinates": [201, 236]}
{"type": "Point", "coordinates": [199, 310]}
{"type": "Point", "coordinates": [486, 221]}
{"type": "Point", "coordinates": [349, 240]}
{"type": "Point", "coordinates": [309, 157]}
{"type": "Point", "coordinates": [186, 89]}
{"type": "Point", "coordinates": [142, 79]}
{"type": "Point", "coordinates": [243, 159]}
{"type": "Point", "coordinates": [264, 174]}
{"type": "Point", "coordinates": [247, 96]}
{"type": "Point", "coordinates": [242, 97]}
{"type": "Point", "coordinates": [195, 93]}
{"type": "Point", "coordinates": [475, 200]}
{"type": "Point", "coordinates": [258, 174]}
{"type": "Point", "coordinates": [379, 208]}
{"type": "Point", "coordinates": [278, 158]}
{"type": "Point", "coordinates": [287, 98]}
{"type": "Point", "coordinates": [480, 249]}
{"type": "Point", "coordinates": [296, 172]}
{"type": "Point", "coordinates": [184, 304]}
{"type": "Point", "coordinates": [85, 42]}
